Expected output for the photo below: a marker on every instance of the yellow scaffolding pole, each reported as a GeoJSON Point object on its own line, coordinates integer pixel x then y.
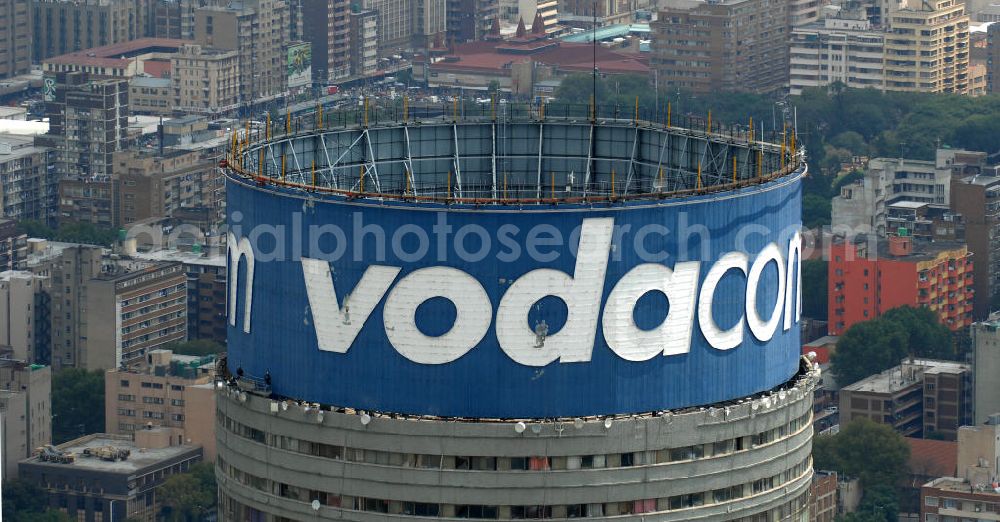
{"type": "Point", "coordinates": [636, 119]}
{"type": "Point", "coordinates": [361, 183]}
{"type": "Point", "coordinates": [751, 130]}
{"type": "Point", "coordinates": [760, 164]}
{"type": "Point", "coordinates": [448, 194]}
{"type": "Point", "coordinates": [267, 128]}
{"type": "Point", "coordinates": [366, 111]}
{"type": "Point", "coordinates": [698, 185]}
{"type": "Point", "coordinates": [319, 113]}
{"type": "Point", "coordinates": [612, 183]}
{"type": "Point", "coordinates": [734, 168]}
{"type": "Point", "coordinates": [288, 122]}
{"type": "Point", "coordinates": [668, 114]}
{"type": "Point", "coordinates": [282, 167]}
{"type": "Point", "coordinates": [314, 173]}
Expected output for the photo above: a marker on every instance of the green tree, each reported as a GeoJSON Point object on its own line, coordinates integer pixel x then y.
{"type": "Point", "coordinates": [815, 211]}
{"type": "Point", "coordinates": [198, 347]}
{"type": "Point", "coordinates": [927, 336]}
{"type": "Point", "coordinates": [26, 502]}
{"type": "Point", "coordinates": [77, 403]}
{"type": "Point", "coordinates": [868, 348]}
{"type": "Point", "coordinates": [873, 453]}
{"type": "Point", "coordinates": [814, 288]}
{"type": "Point", "coordinates": [191, 495]}
{"type": "Point", "coordinates": [86, 233]}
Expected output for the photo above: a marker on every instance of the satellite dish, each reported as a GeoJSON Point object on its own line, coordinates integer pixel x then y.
{"type": "Point", "coordinates": [519, 427]}
{"type": "Point", "coordinates": [315, 505]}
{"type": "Point", "coordinates": [608, 423]}
{"type": "Point", "coordinates": [755, 405]}
{"type": "Point", "coordinates": [578, 423]}
{"type": "Point", "coordinates": [284, 406]}
{"type": "Point", "coordinates": [365, 419]}
{"type": "Point", "coordinates": [767, 402]}
{"type": "Point", "coordinates": [782, 395]}
{"type": "Point", "coordinates": [536, 428]}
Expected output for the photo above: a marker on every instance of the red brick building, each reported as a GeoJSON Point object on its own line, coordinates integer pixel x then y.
{"type": "Point", "coordinates": [824, 497]}
{"type": "Point", "coordinates": [864, 282]}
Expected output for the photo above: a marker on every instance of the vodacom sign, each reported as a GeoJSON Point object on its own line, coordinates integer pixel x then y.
{"type": "Point", "coordinates": [338, 323]}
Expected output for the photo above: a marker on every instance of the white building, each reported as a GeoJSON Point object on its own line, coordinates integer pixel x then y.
{"type": "Point", "coordinates": [836, 50]}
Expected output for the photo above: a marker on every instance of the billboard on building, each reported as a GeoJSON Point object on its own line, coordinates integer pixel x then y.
{"type": "Point", "coordinates": [299, 65]}
{"type": "Point", "coordinates": [498, 312]}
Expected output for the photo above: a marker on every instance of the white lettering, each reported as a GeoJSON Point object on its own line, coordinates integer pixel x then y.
{"type": "Point", "coordinates": [474, 312]}
{"type": "Point", "coordinates": [794, 270]}
{"type": "Point", "coordinates": [235, 251]}
{"type": "Point", "coordinates": [673, 335]}
{"type": "Point", "coordinates": [336, 326]}
{"type": "Point", "coordinates": [718, 339]}
{"type": "Point", "coordinates": [581, 293]}
{"type": "Point", "coordinates": [764, 330]}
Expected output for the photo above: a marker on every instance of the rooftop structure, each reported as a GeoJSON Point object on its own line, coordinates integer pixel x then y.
{"type": "Point", "coordinates": [119, 60]}
{"type": "Point", "coordinates": [128, 473]}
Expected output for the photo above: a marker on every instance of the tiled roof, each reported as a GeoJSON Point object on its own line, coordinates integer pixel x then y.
{"type": "Point", "coordinates": [485, 57]}
{"type": "Point", "coordinates": [117, 55]}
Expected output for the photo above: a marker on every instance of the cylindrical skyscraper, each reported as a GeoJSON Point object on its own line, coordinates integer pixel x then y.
{"type": "Point", "coordinates": [513, 316]}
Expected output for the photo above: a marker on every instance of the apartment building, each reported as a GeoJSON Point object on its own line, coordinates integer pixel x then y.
{"type": "Point", "coordinates": [395, 25]}
{"type": "Point", "coordinates": [429, 23]}
{"type": "Point", "coordinates": [88, 122]}
{"type": "Point", "coordinates": [206, 284]}
{"type": "Point", "coordinates": [823, 507]}
{"type": "Point", "coordinates": [949, 498]}
{"type": "Point", "coordinates": [917, 398]}
{"type": "Point", "coordinates": [863, 207]}
{"type": "Point", "coordinates": [470, 20]}
{"type": "Point", "coordinates": [13, 245]}
{"type": "Point", "coordinates": [258, 31]}
{"type": "Point", "coordinates": [64, 26]}
{"type": "Point", "coordinates": [329, 25]}
{"type": "Point", "coordinates": [24, 317]}
{"type": "Point", "coordinates": [836, 50]}
{"type": "Point", "coordinates": [151, 96]}
{"type": "Point", "coordinates": [131, 308]}
{"type": "Point", "coordinates": [109, 311]}
{"type": "Point", "coordinates": [364, 34]}
{"type": "Point", "coordinates": [205, 80]}
{"type": "Point", "coordinates": [979, 451]}
{"type": "Point", "coordinates": [694, 48]}
{"type": "Point", "coordinates": [25, 409]}
{"type": "Point", "coordinates": [868, 276]}
{"type": "Point", "coordinates": [928, 47]}
{"type": "Point", "coordinates": [986, 365]}
{"type": "Point", "coordinates": [15, 37]}
{"type": "Point", "coordinates": [28, 182]}
{"type": "Point", "coordinates": [580, 13]}
{"type": "Point", "coordinates": [977, 198]}
{"type": "Point", "coordinates": [164, 390]}
{"type": "Point", "coordinates": [129, 59]}
{"type": "Point", "coordinates": [993, 58]}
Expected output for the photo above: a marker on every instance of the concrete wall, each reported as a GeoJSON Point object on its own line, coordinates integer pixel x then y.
{"type": "Point", "coordinates": [552, 487]}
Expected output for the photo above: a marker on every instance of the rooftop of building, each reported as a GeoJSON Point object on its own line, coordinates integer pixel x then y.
{"type": "Point", "coordinates": [166, 363]}
{"type": "Point", "coordinates": [125, 269]}
{"type": "Point", "coordinates": [119, 54]}
{"type": "Point", "coordinates": [923, 250]}
{"type": "Point", "coordinates": [20, 146]}
{"type": "Point", "coordinates": [933, 458]}
{"type": "Point", "coordinates": [606, 32]}
{"type": "Point", "coordinates": [907, 374]}
{"type": "Point", "coordinates": [187, 258]}
{"type": "Point", "coordinates": [983, 180]}
{"type": "Point", "coordinates": [150, 81]}
{"type": "Point", "coordinates": [959, 485]}
{"type": "Point", "coordinates": [138, 459]}
{"type": "Point", "coordinates": [487, 56]}
{"type": "Point", "coordinates": [27, 128]}
{"type": "Point", "coordinates": [42, 250]}
{"type": "Point", "coordinates": [823, 341]}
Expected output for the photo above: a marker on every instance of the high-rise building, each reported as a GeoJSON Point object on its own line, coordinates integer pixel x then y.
{"type": "Point", "coordinates": [429, 23]}
{"type": "Point", "coordinates": [25, 410]}
{"type": "Point", "coordinates": [928, 50]}
{"type": "Point", "coordinates": [64, 26]}
{"type": "Point", "coordinates": [460, 384]}
{"type": "Point", "coordinates": [29, 186]}
{"type": "Point", "coordinates": [24, 316]}
{"type": "Point", "coordinates": [694, 47]}
{"type": "Point", "coordinates": [206, 276]}
{"type": "Point", "coordinates": [920, 397]}
{"type": "Point", "coordinates": [580, 13]}
{"type": "Point", "coordinates": [258, 31]}
{"type": "Point", "coordinates": [164, 390]}
{"type": "Point", "coordinates": [470, 20]}
{"type": "Point", "coordinates": [977, 199]}
{"type": "Point", "coordinates": [364, 37]}
{"type": "Point", "coordinates": [13, 245]}
{"type": "Point", "coordinates": [837, 50]}
{"type": "Point", "coordinates": [395, 25]}
{"type": "Point", "coordinates": [108, 312]}
{"type": "Point", "coordinates": [167, 19]}
{"type": "Point", "coordinates": [868, 276]}
{"type": "Point", "coordinates": [15, 37]}
{"type": "Point", "coordinates": [986, 367]}
{"type": "Point", "coordinates": [993, 58]}
{"type": "Point", "coordinates": [88, 122]}
{"type": "Point", "coordinates": [327, 26]}
{"type": "Point", "coordinates": [205, 80]}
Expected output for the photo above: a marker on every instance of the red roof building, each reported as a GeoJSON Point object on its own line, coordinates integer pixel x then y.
{"type": "Point", "coordinates": [120, 60]}
{"type": "Point", "coordinates": [517, 63]}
